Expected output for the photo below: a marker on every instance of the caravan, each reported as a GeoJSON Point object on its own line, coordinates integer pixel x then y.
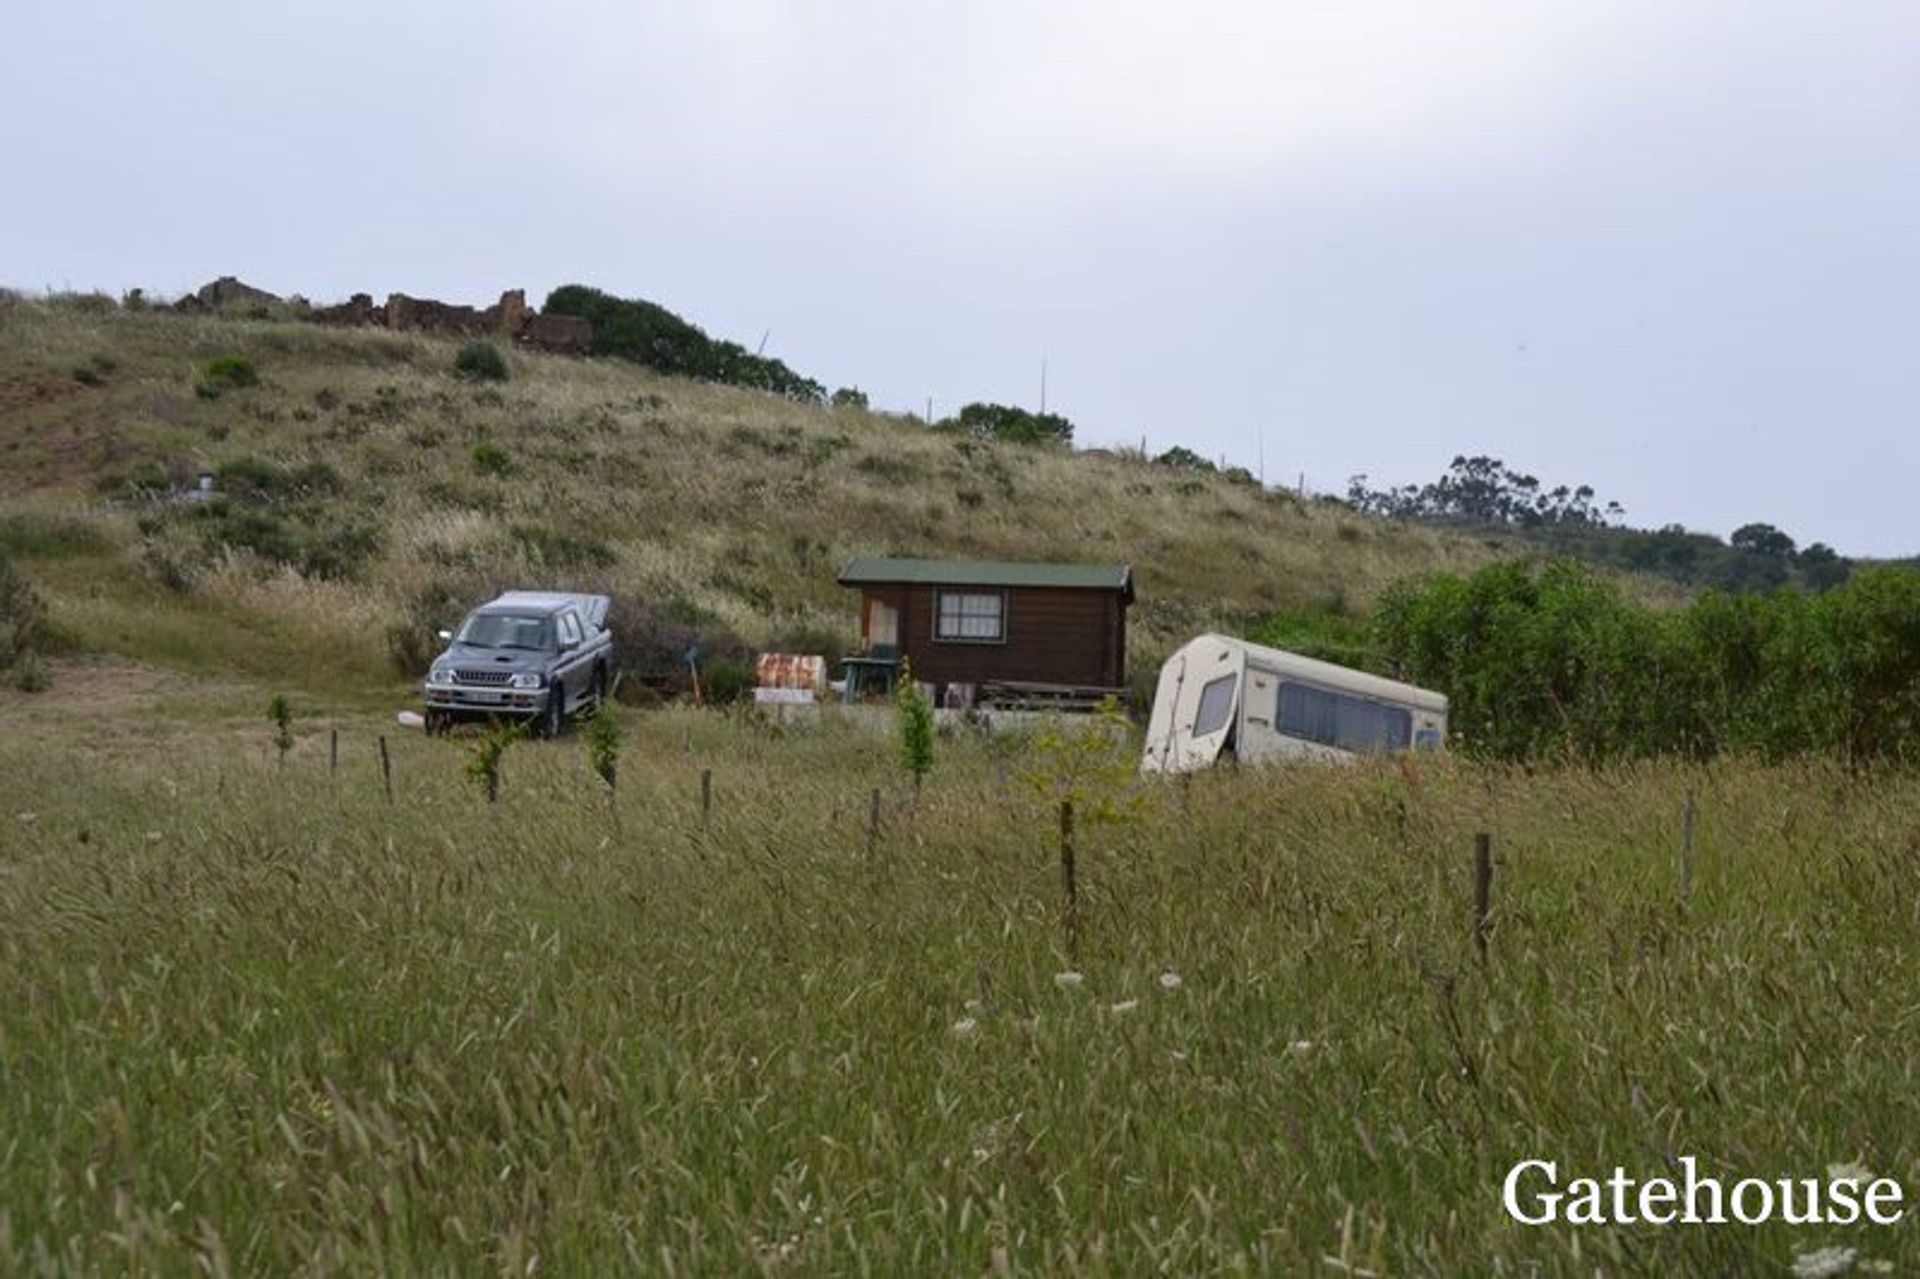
{"type": "Point", "coordinates": [1220, 695]}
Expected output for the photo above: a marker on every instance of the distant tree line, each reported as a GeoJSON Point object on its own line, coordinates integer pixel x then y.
{"type": "Point", "coordinates": [1551, 660]}
{"type": "Point", "coordinates": [1483, 492]}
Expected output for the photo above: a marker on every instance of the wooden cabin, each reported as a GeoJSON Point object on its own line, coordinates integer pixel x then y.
{"type": "Point", "coordinates": [995, 632]}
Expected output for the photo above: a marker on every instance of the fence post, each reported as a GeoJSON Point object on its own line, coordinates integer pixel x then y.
{"type": "Point", "coordinates": [706, 797]}
{"type": "Point", "coordinates": [1482, 890]}
{"type": "Point", "coordinates": [333, 751]}
{"type": "Point", "coordinates": [1069, 881]}
{"type": "Point", "coordinates": [386, 768]}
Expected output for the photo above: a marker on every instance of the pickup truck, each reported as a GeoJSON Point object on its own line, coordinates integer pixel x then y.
{"type": "Point", "coordinates": [537, 656]}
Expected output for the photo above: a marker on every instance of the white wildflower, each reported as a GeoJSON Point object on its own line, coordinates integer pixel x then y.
{"type": "Point", "coordinates": [1869, 1266]}
{"type": "Point", "coordinates": [972, 1005]}
{"type": "Point", "coordinates": [29, 818]}
{"type": "Point", "coordinates": [1068, 980]}
{"type": "Point", "coordinates": [1822, 1263]}
{"type": "Point", "coordinates": [1179, 1054]}
{"type": "Point", "coordinates": [1853, 1170]}
{"type": "Point", "coordinates": [153, 837]}
{"type": "Point", "coordinates": [1170, 980]}
{"type": "Point", "coordinates": [1123, 1007]}
{"type": "Point", "coordinates": [1299, 1048]}
{"type": "Point", "coordinates": [965, 1026]}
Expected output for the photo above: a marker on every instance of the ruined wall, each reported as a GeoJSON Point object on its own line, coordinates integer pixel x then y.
{"type": "Point", "coordinates": [510, 317]}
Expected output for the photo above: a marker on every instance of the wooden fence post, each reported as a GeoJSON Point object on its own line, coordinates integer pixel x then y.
{"type": "Point", "coordinates": [386, 768]}
{"type": "Point", "coordinates": [1069, 881]}
{"type": "Point", "coordinates": [706, 797]}
{"type": "Point", "coordinates": [1482, 890]}
{"type": "Point", "coordinates": [333, 751]}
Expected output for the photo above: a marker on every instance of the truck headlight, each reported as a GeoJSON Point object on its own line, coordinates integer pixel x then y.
{"type": "Point", "coordinates": [525, 679]}
{"type": "Point", "coordinates": [440, 676]}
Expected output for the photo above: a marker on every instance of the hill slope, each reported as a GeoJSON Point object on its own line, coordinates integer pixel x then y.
{"type": "Point", "coordinates": [368, 493]}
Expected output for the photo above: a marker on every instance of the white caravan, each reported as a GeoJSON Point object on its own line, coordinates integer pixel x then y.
{"type": "Point", "coordinates": [1225, 695]}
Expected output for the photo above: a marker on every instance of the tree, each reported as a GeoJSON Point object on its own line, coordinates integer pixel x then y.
{"type": "Point", "coordinates": [1762, 539]}
{"type": "Point", "coordinates": [1009, 424]}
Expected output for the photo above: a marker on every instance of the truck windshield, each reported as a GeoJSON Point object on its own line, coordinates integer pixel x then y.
{"type": "Point", "coordinates": [507, 630]}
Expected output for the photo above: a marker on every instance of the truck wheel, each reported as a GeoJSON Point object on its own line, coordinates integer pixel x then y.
{"type": "Point", "coordinates": [599, 687]}
{"type": "Point", "coordinates": [553, 716]}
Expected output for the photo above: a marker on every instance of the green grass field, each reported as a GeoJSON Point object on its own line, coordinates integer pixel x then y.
{"type": "Point", "coordinates": [253, 1019]}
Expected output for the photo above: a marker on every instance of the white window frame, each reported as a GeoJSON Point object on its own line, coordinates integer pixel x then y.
{"type": "Point", "coordinates": [940, 596]}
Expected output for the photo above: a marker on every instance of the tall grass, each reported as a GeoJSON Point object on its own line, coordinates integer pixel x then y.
{"type": "Point", "coordinates": [253, 1019]}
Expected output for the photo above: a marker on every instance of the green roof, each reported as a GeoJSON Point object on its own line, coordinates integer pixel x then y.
{"type": "Point", "coordinates": [1085, 577]}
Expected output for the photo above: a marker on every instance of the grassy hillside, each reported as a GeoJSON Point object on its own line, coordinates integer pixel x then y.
{"type": "Point", "coordinates": [371, 489]}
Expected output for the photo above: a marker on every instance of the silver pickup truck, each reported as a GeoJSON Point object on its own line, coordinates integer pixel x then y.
{"type": "Point", "coordinates": [538, 656]}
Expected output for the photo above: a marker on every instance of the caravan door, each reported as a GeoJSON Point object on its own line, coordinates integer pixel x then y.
{"type": "Point", "coordinates": [1196, 707]}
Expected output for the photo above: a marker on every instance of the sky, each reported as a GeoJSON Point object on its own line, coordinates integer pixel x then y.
{"type": "Point", "coordinates": [1670, 249]}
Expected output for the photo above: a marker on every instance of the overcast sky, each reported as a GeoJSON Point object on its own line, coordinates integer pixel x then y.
{"type": "Point", "coordinates": [1669, 249]}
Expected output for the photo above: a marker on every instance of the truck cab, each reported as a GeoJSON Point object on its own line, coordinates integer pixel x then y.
{"type": "Point", "coordinates": [533, 656]}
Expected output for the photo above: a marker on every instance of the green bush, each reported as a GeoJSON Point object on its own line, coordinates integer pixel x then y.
{"type": "Point", "coordinates": [1552, 661]}
{"type": "Point", "coordinates": [1009, 424]}
{"type": "Point", "coordinates": [649, 334]}
{"type": "Point", "coordinates": [31, 674]}
{"type": "Point", "coordinates": [480, 362]}
{"type": "Point", "coordinates": [22, 615]}
{"type": "Point", "coordinates": [490, 459]}
{"type": "Point", "coordinates": [230, 372]}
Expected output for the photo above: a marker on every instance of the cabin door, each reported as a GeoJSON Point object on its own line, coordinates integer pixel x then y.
{"type": "Point", "coordinates": [883, 625]}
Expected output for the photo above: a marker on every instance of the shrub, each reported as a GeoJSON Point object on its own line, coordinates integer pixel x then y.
{"type": "Point", "coordinates": [22, 615]}
{"type": "Point", "coordinates": [230, 372]}
{"type": "Point", "coordinates": [480, 362]}
{"type": "Point", "coordinates": [1009, 424]}
{"type": "Point", "coordinates": [603, 738]}
{"type": "Point", "coordinates": [1551, 660]}
{"type": "Point", "coordinates": [280, 714]}
{"type": "Point", "coordinates": [490, 459]}
{"type": "Point", "coordinates": [850, 397]}
{"type": "Point", "coordinates": [913, 714]}
{"type": "Point", "coordinates": [651, 640]}
{"type": "Point", "coordinates": [649, 334]}
{"type": "Point", "coordinates": [31, 674]}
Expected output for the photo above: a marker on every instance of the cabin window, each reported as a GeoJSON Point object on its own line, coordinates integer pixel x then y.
{"type": "Point", "coordinates": [1216, 706]}
{"type": "Point", "coordinates": [1339, 720]}
{"type": "Point", "coordinates": [971, 617]}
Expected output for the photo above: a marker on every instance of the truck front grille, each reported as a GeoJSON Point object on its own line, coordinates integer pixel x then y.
{"type": "Point", "coordinates": [495, 678]}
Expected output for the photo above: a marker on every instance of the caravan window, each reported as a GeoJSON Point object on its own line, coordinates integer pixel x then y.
{"type": "Point", "coordinates": [1216, 706]}
{"type": "Point", "coordinates": [1337, 719]}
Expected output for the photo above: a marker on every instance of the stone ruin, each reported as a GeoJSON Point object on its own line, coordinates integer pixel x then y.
{"type": "Point", "coordinates": [510, 317]}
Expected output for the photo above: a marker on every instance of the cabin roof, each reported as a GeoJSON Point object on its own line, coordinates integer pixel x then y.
{"type": "Point", "coordinates": [863, 570]}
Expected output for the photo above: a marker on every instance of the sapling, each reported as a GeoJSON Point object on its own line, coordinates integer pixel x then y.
{"type": "Point", "coordinates": [483, 763]}
{"type": "Point", "coordinates": [603, 737]}
{"type": "Point", "coordinates": [280, 711]}
{"type": "Point", "coordinates": [914, 714]}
